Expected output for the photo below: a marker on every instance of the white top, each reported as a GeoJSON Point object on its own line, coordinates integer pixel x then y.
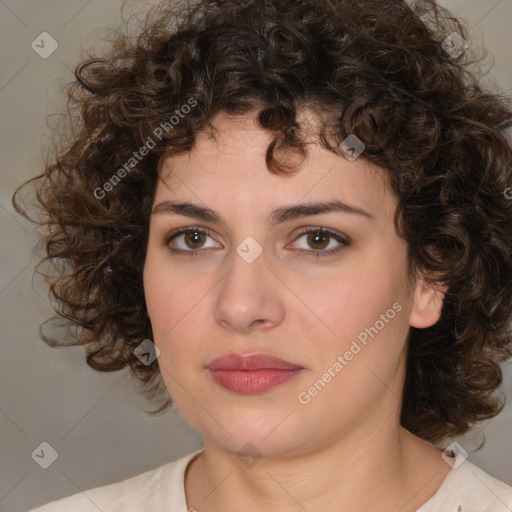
{"type": "Point", "coordinates": [466, 488]}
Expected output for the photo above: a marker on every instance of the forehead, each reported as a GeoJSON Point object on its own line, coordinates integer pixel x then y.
{"type": "Point", "coordinates": [226, 169]}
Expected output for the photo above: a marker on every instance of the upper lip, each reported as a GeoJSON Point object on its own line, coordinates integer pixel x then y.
{"type": "Point", "coordinates": [250, 362]}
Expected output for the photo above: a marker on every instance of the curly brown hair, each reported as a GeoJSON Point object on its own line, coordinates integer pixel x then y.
{"type": "Point", "coordinates": [377, 69]}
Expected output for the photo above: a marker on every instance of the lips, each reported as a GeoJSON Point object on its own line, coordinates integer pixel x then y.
{"type": "Point", "coordinates": [251, 362]}
{"type": "Point", "coordinates": [251, 374]}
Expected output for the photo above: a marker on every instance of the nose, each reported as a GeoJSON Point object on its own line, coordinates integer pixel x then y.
{"type": "Point", "coordinates": [250, 297]}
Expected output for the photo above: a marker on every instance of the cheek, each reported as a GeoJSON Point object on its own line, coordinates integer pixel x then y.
{"type": "Point", "coordinates": [363, 289]}
{"type": "Point", "coordinates": [175, 309]}
{"type": "Point", "coordinates": [361, 361]}
{"type": "Point", "coordinates": [367, 313]}
{"type": "Point", "coordinates": [167, 312]}
{"type": "Point", "coordinates": [167, 293]}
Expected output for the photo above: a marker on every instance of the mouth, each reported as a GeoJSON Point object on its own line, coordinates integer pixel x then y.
{"type": "Point", "coordinates": [251, 374]}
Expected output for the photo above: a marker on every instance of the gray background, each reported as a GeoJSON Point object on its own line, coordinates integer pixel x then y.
{"type": "Point", "coordinates": [95, 421]}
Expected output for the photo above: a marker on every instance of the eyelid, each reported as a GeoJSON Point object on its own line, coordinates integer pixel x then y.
{"type": "Point", "coordinates": [332, 232]}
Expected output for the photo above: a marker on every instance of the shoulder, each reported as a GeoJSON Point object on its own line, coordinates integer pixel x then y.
{"type": "Point", "coordinates": [467, 488]}
{"type": "Point", "coordinates": [158, 489]}
{"type": "Point", "coordinates": [480, 487]}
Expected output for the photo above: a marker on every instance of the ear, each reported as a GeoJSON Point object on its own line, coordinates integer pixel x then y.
{"type": "Point", "coordinates": [427, 304]}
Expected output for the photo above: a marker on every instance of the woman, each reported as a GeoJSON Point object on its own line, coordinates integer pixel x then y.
{"type": "Point", "coordinates": [294, 216]}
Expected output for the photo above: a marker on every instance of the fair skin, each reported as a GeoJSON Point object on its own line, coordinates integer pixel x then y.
{"type": "Point", "coordinates": [344, 449]}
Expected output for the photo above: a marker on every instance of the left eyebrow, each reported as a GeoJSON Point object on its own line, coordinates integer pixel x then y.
{"type": "Point", "coordinates": [277, 216]}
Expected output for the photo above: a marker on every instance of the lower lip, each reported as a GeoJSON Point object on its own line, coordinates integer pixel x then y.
{"type": "Point", "coordinates": [252, 382]}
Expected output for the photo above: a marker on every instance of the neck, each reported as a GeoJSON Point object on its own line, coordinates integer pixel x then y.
{"type": "Point", "coordinates": [387, 468]}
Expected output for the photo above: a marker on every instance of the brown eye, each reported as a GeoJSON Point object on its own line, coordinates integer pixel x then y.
{"type": "Point", "coordinates": [188, 240]}
{"type": "Point", "coordinates": [318, 239]}
{"type": "Point", "coordinates": [194, 239]}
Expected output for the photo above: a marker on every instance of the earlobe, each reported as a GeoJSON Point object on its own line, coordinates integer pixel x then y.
{"type": "Point", "coordinates": [427, 304]}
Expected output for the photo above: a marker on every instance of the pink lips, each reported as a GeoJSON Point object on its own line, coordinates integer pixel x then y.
{"type": "Point", "coordinates": [251, 374]}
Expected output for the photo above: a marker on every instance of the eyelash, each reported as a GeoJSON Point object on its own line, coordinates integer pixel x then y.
{"type": "Point", "coordinates": [197, 252]}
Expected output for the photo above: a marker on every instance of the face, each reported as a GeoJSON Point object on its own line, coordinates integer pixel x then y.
{"type": "Point", "coordinates": [336, 302]}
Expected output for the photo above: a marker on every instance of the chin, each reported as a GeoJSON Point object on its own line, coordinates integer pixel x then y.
{"type": "Point", "coordinates": [254, 434]}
